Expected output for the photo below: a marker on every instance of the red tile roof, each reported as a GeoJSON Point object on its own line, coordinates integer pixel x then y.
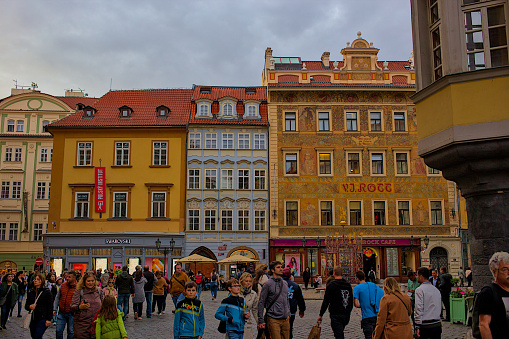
{"type": "Point", "coordinates": [399, 79]}
{"type": "Point", "coordinates": [287, 78]}
{"type": "Point", "coordinates": [142, 102]}
{"type": "Point", "coordinates": [238, 93]}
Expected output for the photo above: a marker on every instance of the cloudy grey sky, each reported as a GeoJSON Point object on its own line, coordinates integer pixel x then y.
{"type": "Point", "coordinates": [175, 44]}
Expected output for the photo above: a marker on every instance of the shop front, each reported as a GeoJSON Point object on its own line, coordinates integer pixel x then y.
{"type": "Point", "coordinates": [82, 252]}
{"type": "Point", "coordinates": [392, 257]}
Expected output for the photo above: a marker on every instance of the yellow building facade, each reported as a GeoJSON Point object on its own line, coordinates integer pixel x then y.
{"type": "Point", "coordinates": [118, 181]}
{"type": "Point", "coordinates": [344, 160]}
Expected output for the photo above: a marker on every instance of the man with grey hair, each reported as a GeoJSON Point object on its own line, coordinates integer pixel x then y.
{"type": "Point", "coordinates": [492, 302]}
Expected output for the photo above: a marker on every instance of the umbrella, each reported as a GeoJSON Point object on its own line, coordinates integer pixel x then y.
{"type": "Point", "coordinates": [235, 259]}
{"type": "Point", "coordinates": [195, 258]}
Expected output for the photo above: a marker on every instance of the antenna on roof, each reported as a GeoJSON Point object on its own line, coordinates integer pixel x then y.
{"type": "Point", "coordinates": [111, 82]}
{"type": "Point", "coordinates": [15, 83]}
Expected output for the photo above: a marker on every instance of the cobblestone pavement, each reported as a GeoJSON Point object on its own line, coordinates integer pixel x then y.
{"type": "Point", "coordinates": [162, 326]}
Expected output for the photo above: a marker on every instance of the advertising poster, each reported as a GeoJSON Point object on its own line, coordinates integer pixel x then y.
{"type": "Point", "coordinates": [293, 260]}
{"type": "Point", "coordinates": [157, 265]}
{"type": "Point", "coordinates": [117, 269]}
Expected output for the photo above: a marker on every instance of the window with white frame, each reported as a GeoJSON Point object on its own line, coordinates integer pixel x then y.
{"type": "Point", "coordinates": [120, 204]}
{"type": "Point", "coordinates": [194, 220]}
{"type": "Point", "coordinates": [227, 109]}
{"type": "Point", "coordinates": [16, 190]}
{"type": "Point", "coordinates": [404, 212]}
{"type": "Point", "coordinates": [18, 151]}
{"type": "Point", "coordinates": [243, 179]}
{"type": "Point", "coordinates": [226, 220]}
{"type": "Point", "coordinates": [259, 220]}
{"type": "Point", "coordinates": [20, 125]}
{"type": "Point", "coordinates": [44, 155]}
{"type": "Point", "coordinates": [379, 212]}
{"type": "Point", "coordinates": [375, 119]}
{"type": "Point", "coordinates": [437, 52]}
{"type": "Point", "coordinates": [252, 111]}
{"type": "Point", "coordinates": [325, 163]}
{"type": "Point", "coordinates": [436, 213]}
{"type": "Point", "coordinates": [227, 179]}
{"type": "Point", "coordinates": [351, 121]}
{"type": "Point", "coordinates": [259, 141]}
{"type": "Point", "coordinates": [204, 110]}
{"type": "Point", "coordinates": [84, 154]}
{"type": "Point", "coordinates": [227, 140]}
{"type": "Point", "coordinates": [51, 155]}
{"type": "Point", "coordinates": [259, 179]}
{"type": "Point", "coordinates": [399, 122]}
{"type": "Point", "coordinates": [354, 163]}
{"type": "Point", "coordinates": [326, 213]}
{"type": "Point", "coordinates": [210, 140]}
{"type": "Point", "coordinates": [122, 153]}
{"type": "Point", "coordinates": [3, 230]}
{"type": "Point", "coordinates": [13, 231]}
{"type": "Point", "coordinates": [433, 171]}
{"type": "Point", "coordinates": [6, 190]}
{"type": "Point", "coordinates": [81, 205]}
{"type": "Point", "coordinates": [292, 213]}
{"type": "Point", "coordinates": [8, 154]}
{"type": "Point", "coordinates": [210, 179]}
{"type": "Point", "coordinates": [323, 121]}
{"type": "Point", "coordinates": [377, 163]}
{"type": "Point", "coordinates": [194, 179]}
{"type": "Point", "coordinates": [291, 163]}
{"type": "Point", "coordinates": [10, 126]}
{"type": "Point", "coordinates": [355, 208]}
{"type": "Point", "coordinates": [38, 228]}
{"type": "Point", "coordinates": [210, 220]}
{"type": "Point", "coordinates": [402, 163]}
{"type": "Point", "coordinates": [160, 153]}
{"type": "Point", "coordinates": [244, 140]}
{"type": "Point", "coordinates": [243, 220]}
{"type": "Point", "coordinates": [41, 190]}
{"type": "Point", "coordinates": [290, 121]}
{"type": "Point", "coordinates": [195, 140]}
{"type": "Point", "coordinates": [158, 204]}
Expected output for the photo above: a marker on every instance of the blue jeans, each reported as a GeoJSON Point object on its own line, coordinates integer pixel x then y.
{"type": "Point", "coordinates": [62, 320]}
{"type": "Point", "coordinates": [148, 297]}
{"type": "Point", "coordinates": [213, 289]}
{"type": "Point", "coordinates": [37, 328]}
{"type": "Point", "coordinates": [234, 334]}
{"type": "Point", "coordinates": [20, 303]}
{"type": "Point", "coordinates": [123, 303]}
{"type": "Point", "coordinates": [198, 293]}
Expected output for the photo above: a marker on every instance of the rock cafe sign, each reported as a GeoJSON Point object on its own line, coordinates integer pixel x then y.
{"type": "Point", "coordinates": [100, 199]}
{"type": "Point", "coordinates": [362, 187]}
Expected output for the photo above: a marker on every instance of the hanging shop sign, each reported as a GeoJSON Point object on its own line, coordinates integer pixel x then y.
{"type": "Point", "coordinates": [100, 198]}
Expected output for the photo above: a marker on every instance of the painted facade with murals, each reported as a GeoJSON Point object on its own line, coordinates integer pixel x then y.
{"type": "Point", "coordinates": [26, 152]}
{"type": "Point", "coordinates": [344, 160]}
{"type": "Point", "coordinates": [227, 175]}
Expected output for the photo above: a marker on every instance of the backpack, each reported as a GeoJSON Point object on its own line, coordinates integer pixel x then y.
{"type": "Point", "coordinates": [214, 277]}
{"type": "Point", "coordinates": [476, 332]}
{"type": "Point", "coordinates": [197, 278]}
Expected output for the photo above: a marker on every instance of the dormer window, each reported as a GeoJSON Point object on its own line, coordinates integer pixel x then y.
{"type": "Point", "coordinates": [88, 112]}
{"type": "Point", "coordinates": [228, 110]}
{"type": "Point", "coordinates": [205, 90]}
{"type": "Point", "coordinates": [125, 112]}
{"type": "Point", "coordinates": [203, 110]}
{"type": "Point", "coordinates": [162, 111]}
{"type": "Point", "coordinates": [250, 90]}
{"type": "Point", "coordinates": [251, 111]}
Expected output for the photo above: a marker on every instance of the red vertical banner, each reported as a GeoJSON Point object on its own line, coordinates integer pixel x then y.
{"type": "Point", "coordinates": [100, 199]}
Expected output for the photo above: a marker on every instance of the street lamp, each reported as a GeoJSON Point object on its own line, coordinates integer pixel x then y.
{"type": "Point", "coordinates": [165, 251]}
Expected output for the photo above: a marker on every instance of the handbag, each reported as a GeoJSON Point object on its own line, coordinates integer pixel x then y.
{"type": "Point", "coordinates": [222, 326]}
{"type": "Point", "coordinates": [28, 317]}
{"type": "Point", "coordinates": [315, 332]}
{"type": "Point", "coordinates": [4, 298]}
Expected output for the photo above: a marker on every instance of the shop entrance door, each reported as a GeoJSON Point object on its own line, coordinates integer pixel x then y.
{"type": "Point", "coordinates": [439, 258]}
{"type": "Point", "coordinates": [79, 267]}
{"type": "Point", "coordinates": [369, 261]}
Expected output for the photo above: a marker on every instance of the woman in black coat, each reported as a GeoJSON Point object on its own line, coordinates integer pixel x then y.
{"type": "Point", "coordinates": [42, 310]}
{"type": "Point", "coordinates": [306, 275]}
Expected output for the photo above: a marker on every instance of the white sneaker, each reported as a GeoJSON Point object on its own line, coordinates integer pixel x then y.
{"type": "Point", "coordinates": [163, 312]}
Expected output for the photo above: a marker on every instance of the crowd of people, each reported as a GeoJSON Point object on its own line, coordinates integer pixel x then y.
{"type": "Point", "coordinates": [263, 303]}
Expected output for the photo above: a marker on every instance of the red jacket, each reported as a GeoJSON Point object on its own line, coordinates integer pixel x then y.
{"type": "Point", "coordinates": [66, 293]}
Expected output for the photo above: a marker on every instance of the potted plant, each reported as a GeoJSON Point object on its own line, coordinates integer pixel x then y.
{"type": "Point", "coordinates": [458, 304]}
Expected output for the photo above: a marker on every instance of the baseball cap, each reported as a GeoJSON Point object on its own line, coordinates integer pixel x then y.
{"type": "Point", "coordinates": [287, 272]}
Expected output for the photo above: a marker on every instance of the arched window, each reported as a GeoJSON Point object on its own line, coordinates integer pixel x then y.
{"type": "Point", "coordinates": [228, 109]}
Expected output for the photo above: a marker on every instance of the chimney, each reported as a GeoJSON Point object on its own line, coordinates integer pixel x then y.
{"type": "Point", "coordinates": [77, 94]}
{"type": "Point", "coordinates": [268, 56]}
{"type": "Point", "coordinates": [325, 59]}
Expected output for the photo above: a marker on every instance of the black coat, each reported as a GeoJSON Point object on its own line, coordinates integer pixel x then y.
{"type": "Point", "coordinates": [151, 282]}
{"type": "Point", "coordinates": [306, 275]}
{"type": "Point", "coordinates": [44, 307]}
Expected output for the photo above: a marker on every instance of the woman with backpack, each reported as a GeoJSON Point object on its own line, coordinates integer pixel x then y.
{"type": "Point", "coordinates": [213, 284]}
{"type": "Point", "coordinates": [86, 301]}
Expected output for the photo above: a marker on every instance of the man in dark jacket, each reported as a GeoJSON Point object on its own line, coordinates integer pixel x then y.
{"type": "Point", "coordinates": [151, 282]}
{"type": "Point", "coordinates": [295, 297]}
{"type": "Point", "coordinates": [445, 290]}
{"type": "Point", "coordinates": [339, 299]}
{"type": "Point", "coordinates": [125, 286]}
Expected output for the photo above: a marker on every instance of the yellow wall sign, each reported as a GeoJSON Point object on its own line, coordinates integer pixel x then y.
{"type": "Point", "coordinates": [363, 187]}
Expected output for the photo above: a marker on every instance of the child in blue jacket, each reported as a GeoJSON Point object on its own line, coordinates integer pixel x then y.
{"type": "Point", "coordinates": [233, 310]}
{"type": "Point", "coordinates": [189, 319]}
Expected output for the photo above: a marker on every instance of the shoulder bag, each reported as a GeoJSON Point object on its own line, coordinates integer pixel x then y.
{"type": "Point", "coordinates": [266, 329]}
{"type": "Point", "coordinates": [28, 317]}
{"type": "Point", "coordinates": [4, 298]}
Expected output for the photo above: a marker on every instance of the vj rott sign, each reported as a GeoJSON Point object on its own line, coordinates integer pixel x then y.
{"type": "Point", "coordinates": [100, 199]}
